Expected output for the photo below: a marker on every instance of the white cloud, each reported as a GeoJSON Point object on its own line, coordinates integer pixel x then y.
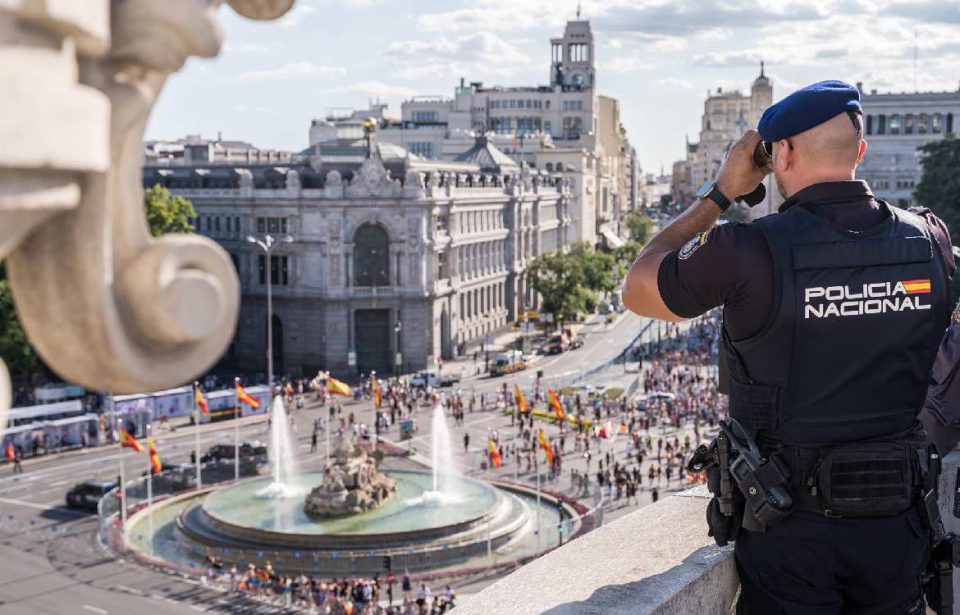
{"type": "Point", "coordinates": [293, 70]}
{"type": "Point", "coordinates": [673, 82]}
{"type": "Point", "coordinates": [376, 89]}
{"type": "Point", "coordinates": [296, 15]}
{"type": "Point", "coordinates": [484, 54]}
{"type": "Point", "coordinates": [251, 47]}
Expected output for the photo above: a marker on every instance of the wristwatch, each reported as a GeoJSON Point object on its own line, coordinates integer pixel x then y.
{"type": "Point", "coordinates": [710, 191]}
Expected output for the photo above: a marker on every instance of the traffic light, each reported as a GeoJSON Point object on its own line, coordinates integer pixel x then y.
{"type": "Point", "coordinates": [387, 563]}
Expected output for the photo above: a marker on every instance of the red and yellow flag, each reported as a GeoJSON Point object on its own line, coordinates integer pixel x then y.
{"type": "Point", "coordinates": [495, 459]}
{"type": "Point", "coordinates": [128, 441]}
{"type": "Point", "coordinates": [914, 287]}
{"type": "Point", "coordinates": [103, 423]}
{"type": "Point", "coordinates": [246, 398]}
{"type": "Point", "coordinates": [547, 448]}
{"type": "Point", "coordinates": [376, 393]}
{"type": "Point", "coordinates": [335, 387]}
{"type": "Point", "coordinates": [521, 400]}
{"type": "Point", "coordinates": [10, 452]}
{"type": "Point", "coordinates": [154, 457]}
{"type": "Point", "coordinates": [555, 404]}
{"type": "Point", "coordinates": [200, 399]}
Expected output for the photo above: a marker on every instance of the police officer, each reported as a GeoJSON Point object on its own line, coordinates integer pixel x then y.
{"type": "Point", "coordinates": [833, 311]}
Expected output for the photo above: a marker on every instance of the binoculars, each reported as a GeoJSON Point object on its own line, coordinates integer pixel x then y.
{"type": "Point", "coordinates": [762, 156]}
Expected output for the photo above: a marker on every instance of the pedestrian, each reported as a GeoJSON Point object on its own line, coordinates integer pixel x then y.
{"type": "Point", "coordinates": [466, 442]}
{"type": "Point", "coordinates": [799, 319]}
{"type": "Point", "coordinates": [313, 440]}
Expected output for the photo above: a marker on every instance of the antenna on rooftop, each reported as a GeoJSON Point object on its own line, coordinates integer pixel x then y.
{"type": "Point", "coordinates": [578, 9]}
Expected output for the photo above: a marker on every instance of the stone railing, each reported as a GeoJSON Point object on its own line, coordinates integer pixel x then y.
{"type": "Point", "coordinates": [657, 560]}
{"type": "Point", "coordinates": [104, 304]}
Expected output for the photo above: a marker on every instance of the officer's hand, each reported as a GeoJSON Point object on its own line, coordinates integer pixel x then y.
{"type": "Point", "coordinates": [738, 175]}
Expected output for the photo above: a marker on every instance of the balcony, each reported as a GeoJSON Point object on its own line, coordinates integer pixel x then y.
{"type": "Point", "coordinates": [657, 560]}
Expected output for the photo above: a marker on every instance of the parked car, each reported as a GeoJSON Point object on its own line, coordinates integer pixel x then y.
{"type": "Point", "coordinates": [253, 455]}
{"type": "Point", "coordinates": [86, 495]}
{"type": "Point", "coordinates": [507, 362]}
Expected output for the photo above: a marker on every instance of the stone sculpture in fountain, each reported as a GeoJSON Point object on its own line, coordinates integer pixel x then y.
{"type": "Point", "coordinates": [104, 304]}
{"type": "Point", "coordinates": [351, 484]}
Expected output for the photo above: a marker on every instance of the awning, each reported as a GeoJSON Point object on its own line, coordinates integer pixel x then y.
{"type": "Point", "coordinates": [612, 240]}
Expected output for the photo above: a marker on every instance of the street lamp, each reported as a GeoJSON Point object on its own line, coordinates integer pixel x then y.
{"type": "Point", "coordinates": [398, 358]}
{"type": "Point", "coordinates": [267, 244]}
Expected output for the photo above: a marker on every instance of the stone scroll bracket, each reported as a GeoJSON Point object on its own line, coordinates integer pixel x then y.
{"type": "Point", "coordinates": [105, 305]}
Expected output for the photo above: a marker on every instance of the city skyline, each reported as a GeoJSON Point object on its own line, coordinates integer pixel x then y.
{"type": "Point", "coordinates": [658, 59]}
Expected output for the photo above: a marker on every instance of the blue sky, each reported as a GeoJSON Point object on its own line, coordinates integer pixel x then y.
{"type": "Point", "coordinates": [658, 57]}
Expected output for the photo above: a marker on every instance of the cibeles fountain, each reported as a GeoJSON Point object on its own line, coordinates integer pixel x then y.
{"type": "Point", "coordinates": [354, 512]}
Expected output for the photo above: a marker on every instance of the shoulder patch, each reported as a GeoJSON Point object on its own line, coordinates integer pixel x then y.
{"type": "Point", "coordinates": [691, 246]}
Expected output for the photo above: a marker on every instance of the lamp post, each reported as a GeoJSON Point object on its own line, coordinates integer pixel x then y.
{"type": "Point", "coordinates": [398, 357]}
{"type": "Point", "coordinates": [267, 244]}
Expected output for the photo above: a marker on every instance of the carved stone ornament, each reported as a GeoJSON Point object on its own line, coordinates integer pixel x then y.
{"type": "Point", "coordinates": [105, 305]}
{"type": "Point", "coordinates": [372, 179]}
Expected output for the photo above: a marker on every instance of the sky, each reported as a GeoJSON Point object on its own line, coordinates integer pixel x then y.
{"type": "Point", "coordinates": [659, 58]}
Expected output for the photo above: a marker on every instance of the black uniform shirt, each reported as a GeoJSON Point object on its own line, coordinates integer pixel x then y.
{"type": "Point", "coordinates": [731, 265]}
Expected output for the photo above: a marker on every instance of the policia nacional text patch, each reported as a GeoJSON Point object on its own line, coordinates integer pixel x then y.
{"type": "Point", "coordinates": [691, 246]}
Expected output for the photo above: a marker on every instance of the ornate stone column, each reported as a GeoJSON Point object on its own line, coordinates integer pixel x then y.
{"type": "Point", "coordinates": [103, 303]}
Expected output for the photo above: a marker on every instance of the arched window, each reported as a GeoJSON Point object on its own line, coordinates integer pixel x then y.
{"type": "Point", "coordinates": [549, 167]}
{"type": "Point", "coordinates": [949, 123]}
{"type": "Point", "coordinates": [894, 124]}
{"type": "Point", "coordinates": [371, 256]}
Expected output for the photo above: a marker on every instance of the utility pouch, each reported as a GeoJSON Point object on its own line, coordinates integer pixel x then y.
{"type": "Point", "coordinates": [723, 528]}
{"type": "Point", "coordinates": [867, 479]}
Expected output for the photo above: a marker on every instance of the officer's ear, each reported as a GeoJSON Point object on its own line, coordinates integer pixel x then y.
{"type": "Point", "coordinates": [786, 156]}
{"type": "Point", "coordinates": [861, 152]}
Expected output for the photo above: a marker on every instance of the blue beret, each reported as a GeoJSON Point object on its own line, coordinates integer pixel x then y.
{"type": "Point", "coordinates": [808, 107]}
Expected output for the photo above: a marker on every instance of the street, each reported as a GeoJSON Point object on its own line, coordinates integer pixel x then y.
{"type": "Point", "coordinates": [51, 561]}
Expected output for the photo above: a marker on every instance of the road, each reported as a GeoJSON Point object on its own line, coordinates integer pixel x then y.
{"type": "Point", "coordinates": [50, 559]}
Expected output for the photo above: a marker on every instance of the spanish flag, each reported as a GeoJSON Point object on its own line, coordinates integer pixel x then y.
{"type": "Point", "coordinates": [335, 387]}
{"type": "Point", "coordinates": [10, 452]}
{"type": "Point", "coordinates": [914, 287]}
{"type": "Point", "coordinates": [128, 441]}
{"type": "Point", "coordinates": [547, 448]}
{"type": "Point", "coordinates": [246, 398]}
{"type": "Point", "coordinates": [154, 457]}
{"type": "Point", "coordinates": [521, 400]}
{"type": "Point", "coordinates": [376, 393]}
{"type": "Point", "coordinates": [200, 399]}
{"type": "Point", "coordinates": [494, 453]}
{"type": "Point", "coordinates": [555, 404]}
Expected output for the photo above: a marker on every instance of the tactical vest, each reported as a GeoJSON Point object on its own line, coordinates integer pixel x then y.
{"type": "Point", "coordinates": [854, 328]}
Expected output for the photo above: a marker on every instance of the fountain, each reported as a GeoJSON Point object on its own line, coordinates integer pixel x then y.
{"type": "Point", "coordinates": [281, 453]}
{"type": "Point", "coordinates": [354, 513]}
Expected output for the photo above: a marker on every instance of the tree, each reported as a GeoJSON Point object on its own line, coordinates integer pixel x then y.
{"type": "Point", "coordinates": [167, 213]}
{"type": "Point", "coordinates": [640, 227]}
{"type": "Point", "coordinates": [599, 271]}
{"type": "Point", "coordinates": [558, 278]}
{"type": "Point", "coordinates": [939, 186]}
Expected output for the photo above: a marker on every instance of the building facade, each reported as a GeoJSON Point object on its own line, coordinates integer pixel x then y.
{"type": "Point", "coordinates": [895, 126]}
{"type": "Point", "coordinates": [382, 273]}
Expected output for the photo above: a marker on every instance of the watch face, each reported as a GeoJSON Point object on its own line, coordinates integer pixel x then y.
{"type": "Point", "coordinates": [705, 189]}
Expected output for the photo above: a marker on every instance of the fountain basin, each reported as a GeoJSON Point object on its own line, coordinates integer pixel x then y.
{"type": "Point", "coordinates": [236, 516]}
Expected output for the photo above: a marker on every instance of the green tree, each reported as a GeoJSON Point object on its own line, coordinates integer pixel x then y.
{"type": "Point", "coordinates": [558, 278]}
{"type": "Point", "coordinates": [939, 186]}
{"type": "Point", "coordinates": [640, 227]}
{"type": "Point", "coordinates": [599, 271]}
{"type": "Point", "coordinates": [167, 213]}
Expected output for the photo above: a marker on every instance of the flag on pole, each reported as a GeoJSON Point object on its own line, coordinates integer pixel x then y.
{"type": "Point", "coordinates": [555, 404]}
{"type": "Point", "coordinates": [601, 431]}
{"type": "Point", "coordinates": [154, 457]}
{"type": "Point", "coordinates": [547, 448]}
{"type": "Point", "coordinates": [335, 387]}
{"type": "Point", "coordinates": [376, 393]}
{"type": "Point", "coordinates": [128, 441]}
{"type": "Point", "coordinates": [200, 399]}
{"type": "Point", "coordinates": [494, 452]}
{"type": "Point", "coordinates": [521, 400]}
{"type": "Point", "coordinates": [246, 398]}
{"type": "Point", "coordinates": [103, 423]}
{"type": "Point", "coordinates": [10, 452]}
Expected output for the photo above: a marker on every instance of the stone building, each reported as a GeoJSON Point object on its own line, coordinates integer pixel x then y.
{"type": "Point", "coordinates": [895, 126]}
{"type": "Point", "coordinates": [394, 259]}
{"type": "Point", "coordinates": [726, 117]}
{"type": "Point", "coordinates": [568, 114]}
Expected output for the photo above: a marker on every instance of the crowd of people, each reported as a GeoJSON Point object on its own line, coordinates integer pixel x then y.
{"type": "Point", "coordinates": [335, 596]}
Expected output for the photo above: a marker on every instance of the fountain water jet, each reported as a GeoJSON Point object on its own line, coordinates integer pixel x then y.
{"type": "Point", "coordinates": [281, 453]}
{"type": "Point", "coordinates": [446, 478]}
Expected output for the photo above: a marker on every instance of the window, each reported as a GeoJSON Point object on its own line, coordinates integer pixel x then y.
{"type": "Point", "coordinates": [261, 225]}
{"type": "Point", "coordinates": [549, 167]}
{"type": "Point", "coordinates": [216, 223]}
{"type": "Point", "coordinates": [908, 124]}
{"type": "Point", "coordinates": [420, 148]}
{"type": "Point", "coordinates": [546, 126]}
{"type": "Point", "coordinates": [556, 52]}
{"type": "Point", "coordinates": [579, 52]}
{"type": "Point", "coordinates": [894, 124]}
{"type": "Point", "coordinates": [279, 269]}
{"type": "Point", "coordinates": [869, 124]}
{"type": "Point", "coordinates": [881, 124]}
{"type": "Point", "coordinates": [572, 127]}
{"type": "Point", "coordinates": [426, 116]}
{"type": "Point", "coordinates": [936, 123]}
{"type": "Point", "coordinates": [949, 123]}
{"type": "Point", "coordinates": [272, 225]}
{"type": "Point", "coordinates": [371, 256]}
{"type": "Point", "coordinates": [547, 104]}
{"type": "Point", "coordinates": [513, 103]}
